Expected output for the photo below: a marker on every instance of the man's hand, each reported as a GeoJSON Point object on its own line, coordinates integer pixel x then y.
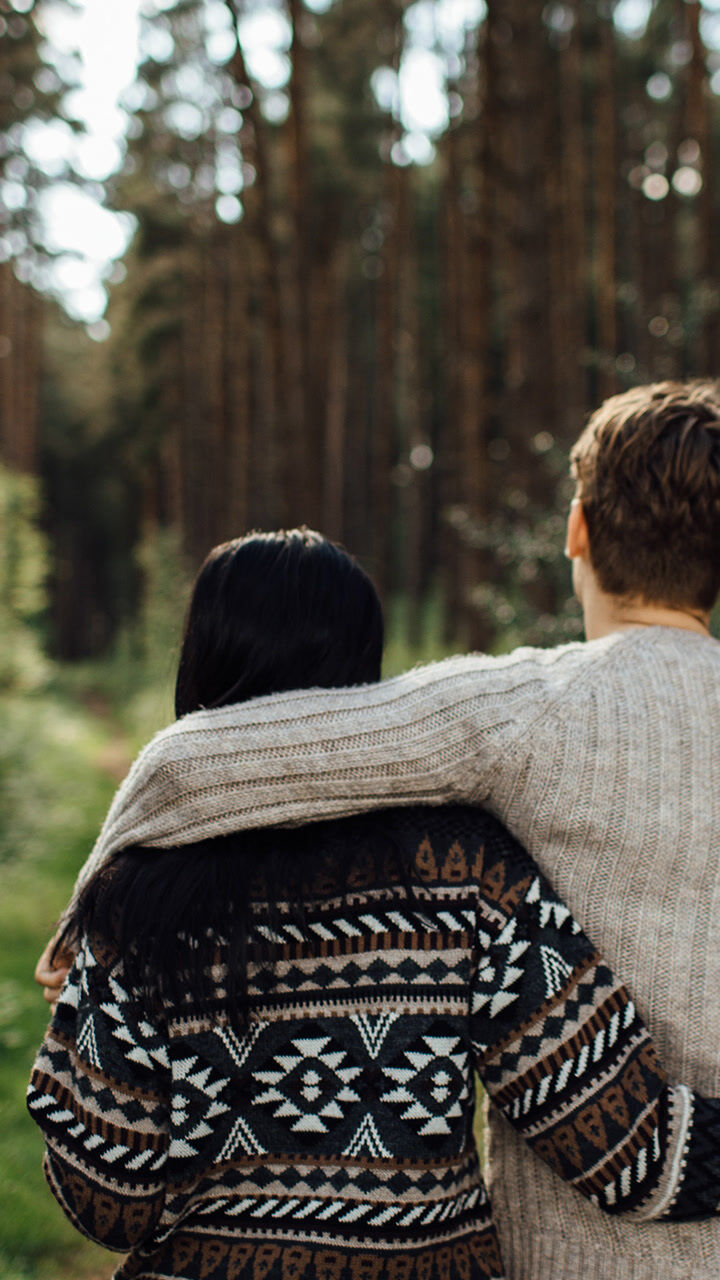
{"type": "Point", "coordinates": [51, 973]}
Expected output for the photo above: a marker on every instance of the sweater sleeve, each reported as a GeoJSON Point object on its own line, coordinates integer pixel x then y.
{"type": "Point", "coordinates": [99, 1093]}
{"type": "Point", "coordinates": [564, 1055]}
{"type": "Point", "coordinates": [437, 734]}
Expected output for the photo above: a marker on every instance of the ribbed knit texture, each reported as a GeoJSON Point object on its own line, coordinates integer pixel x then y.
{"type": "Point", "coordinates": [604, 759]}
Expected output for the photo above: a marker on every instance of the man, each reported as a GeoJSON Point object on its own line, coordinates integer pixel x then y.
{"type": "Point", "coordinates": [603, 758]}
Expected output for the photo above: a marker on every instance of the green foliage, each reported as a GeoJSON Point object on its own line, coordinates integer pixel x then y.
{"type": "Point", "coordinates": [23, 572]}
{"type": "Point", "coordinates": [33, 85]}
{"type": "Point", "coordinates": [526, 594]}
{"type": "Point", "coordinates": [165, 596]}
{"type": "Point", "coordinates": [56, 787]}
{"type": "Point", "coordinates": [147, 655]}
{"type": "Point", "coordinates": [523, 582]}
{"type": "Point", "coordinates": [405, 648]}
{"type": "Point", "coordinates": [43, 739]}
{"type": "Point", "coordinates": [134, 683]}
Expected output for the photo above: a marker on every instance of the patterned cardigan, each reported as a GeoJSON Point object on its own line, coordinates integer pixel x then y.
{"type": "Point", "coordinates": [334, 1137]}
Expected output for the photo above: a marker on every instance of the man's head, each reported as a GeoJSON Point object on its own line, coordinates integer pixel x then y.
{"type": "Point", "coordinates": [647, 468]}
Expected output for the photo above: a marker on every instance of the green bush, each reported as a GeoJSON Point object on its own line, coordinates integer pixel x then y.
{"type": "Point", "coordinates": [23, 573]}
{"type": "Point", "coordinates": [54, 790]}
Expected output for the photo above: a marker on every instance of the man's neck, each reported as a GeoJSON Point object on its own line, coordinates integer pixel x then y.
{"type": "Point", "coordinates": [604, 615]}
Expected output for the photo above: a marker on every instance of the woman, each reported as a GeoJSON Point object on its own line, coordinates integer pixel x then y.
{"type": "Point", "coordinates": [261, 1064]}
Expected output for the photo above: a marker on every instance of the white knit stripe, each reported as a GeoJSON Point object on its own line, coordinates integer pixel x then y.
{"type": "Point", "coordinates": [679, 1123]}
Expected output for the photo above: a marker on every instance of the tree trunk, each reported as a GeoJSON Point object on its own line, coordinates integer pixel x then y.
{"type": "Point", "coordinates": [302, 472]}
{"type": "Point", "coordinates": [236, 374]}
{"type": "Point", "coordinates": [451, 488]}
{"type": "Point", "coordinates": [705, 265]}
{"type": "Point", "coordinates": [571, 340]}
{"type": "Point", "coordinates": [264, 257]}
{"type": "Point", "coordinates": [333, 454]}
{"type": "Point", "coordinates": [606, 198]}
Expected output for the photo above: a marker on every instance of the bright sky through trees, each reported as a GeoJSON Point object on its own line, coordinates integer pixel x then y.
{"type": "Point", "coordinates": [88, 238]}
{"type": "Point", "coordinates": [105, 34]}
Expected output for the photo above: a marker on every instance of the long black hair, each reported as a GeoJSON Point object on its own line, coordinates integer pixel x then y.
{"type": "Point", "coordinates": [269, 612]}
{"type": "Point", "coordinates": [277, 611]}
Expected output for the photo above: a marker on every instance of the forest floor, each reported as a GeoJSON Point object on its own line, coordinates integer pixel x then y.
{"type": "Point", "coordinates": [63, 750]}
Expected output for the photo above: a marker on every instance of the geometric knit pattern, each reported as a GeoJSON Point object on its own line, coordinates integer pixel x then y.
{"type": "Point", "coordinates": [334, 1137]}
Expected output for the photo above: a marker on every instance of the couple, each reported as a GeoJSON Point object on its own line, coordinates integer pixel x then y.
{"type": "Point", "coordinates": [261, 1062]}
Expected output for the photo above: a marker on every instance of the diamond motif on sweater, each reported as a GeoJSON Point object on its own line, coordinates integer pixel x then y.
{"type": "Point", "coordinates": [309, 1087]}
{"type": "Point", "coordinates": [195, 1105]}
{"type": "Point", "coordinates": [429, 1083]}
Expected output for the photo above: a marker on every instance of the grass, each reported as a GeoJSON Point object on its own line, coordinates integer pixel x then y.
{"type": "Point", "coordinates": [54, 777]}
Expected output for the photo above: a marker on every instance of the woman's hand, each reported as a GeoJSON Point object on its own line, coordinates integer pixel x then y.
{"type": "Point", "coordinates": [51, 972]}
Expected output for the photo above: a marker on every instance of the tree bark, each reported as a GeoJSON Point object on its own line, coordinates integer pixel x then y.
{"type": "Point", "coordinates": [268, 290]}
{"type": "Point", "coordinates": [606, 199]}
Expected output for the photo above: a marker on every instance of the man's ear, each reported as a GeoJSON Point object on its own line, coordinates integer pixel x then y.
{"type": "Point", "coordinates": [578, 542]}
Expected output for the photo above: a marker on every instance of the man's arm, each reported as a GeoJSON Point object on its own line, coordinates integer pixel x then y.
{"type": "Point", "coordinates": [436, 734]}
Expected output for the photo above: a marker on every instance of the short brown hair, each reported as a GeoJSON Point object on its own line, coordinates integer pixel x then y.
{"type": "Point", "coordinates": [648, 473]}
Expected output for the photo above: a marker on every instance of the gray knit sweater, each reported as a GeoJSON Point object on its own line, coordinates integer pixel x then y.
{"type": "Point", "coordinates": [604, 760]}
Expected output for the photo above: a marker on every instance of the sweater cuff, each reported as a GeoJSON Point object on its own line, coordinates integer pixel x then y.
{"type": "Point", "coordinates": [697, 1193]}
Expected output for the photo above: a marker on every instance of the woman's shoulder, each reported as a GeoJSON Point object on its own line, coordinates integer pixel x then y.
{"type": "Point", "coordinates": [447, 822]}
{"type": "Point", "coordinates": [452, 844]}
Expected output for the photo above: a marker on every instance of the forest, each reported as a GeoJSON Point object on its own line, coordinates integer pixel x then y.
{"type": "Point", "coordinates": [372, 282]}
{"type": "Point", "coordinates": [323, 317]}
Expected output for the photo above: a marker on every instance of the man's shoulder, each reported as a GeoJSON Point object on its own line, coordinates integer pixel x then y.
{"type": "Point", "coordinates": [525, 673]}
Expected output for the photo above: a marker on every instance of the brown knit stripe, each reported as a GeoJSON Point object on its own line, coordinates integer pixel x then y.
{"type": "Point", "coordinates": [93, 1122]}
{"type": "Point", "coordinates": [592, 1089]}
{"type": "Point", "coordinates": [436, 1003]}
{"type": "Point", "coordinates": [453, 954]}
{"type": "Point", "coordinates": [66, 1079]}
{"type": "Point", "coordinates": [623, 1154]}
{"type": "Point", "coordinates": [211, 1251]}
{"type": "Point", "coordinates": [99, 1180]}
{"type": "Point", "coordinates": [367, 944]}
{"type": "Point", "coordinates": [216, 1188]}
{"type": "Point", "coordinates": [268, 1235]}
{"type": "Point", "coordinates": [437, 894]}
{"type": "Point", "coordinates": [596, 1021]}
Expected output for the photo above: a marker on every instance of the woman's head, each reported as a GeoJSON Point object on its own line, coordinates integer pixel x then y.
{"type": "Point", "coordinates": [277, 611]}
{"type": "Point", "coordinates": [269, 612]}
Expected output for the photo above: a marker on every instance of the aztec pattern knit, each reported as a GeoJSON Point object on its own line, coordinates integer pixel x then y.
{"type": "Point", "coordinates": [603, 759]}
{"type": "Point", "coordinates": [334, 1137]}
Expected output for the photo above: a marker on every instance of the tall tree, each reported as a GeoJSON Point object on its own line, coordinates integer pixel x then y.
{"type": "Point", "coordinates": [606, 199]}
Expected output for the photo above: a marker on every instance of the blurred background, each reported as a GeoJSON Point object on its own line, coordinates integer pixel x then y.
{"type": "Point", "coordinates": [362, 264]}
